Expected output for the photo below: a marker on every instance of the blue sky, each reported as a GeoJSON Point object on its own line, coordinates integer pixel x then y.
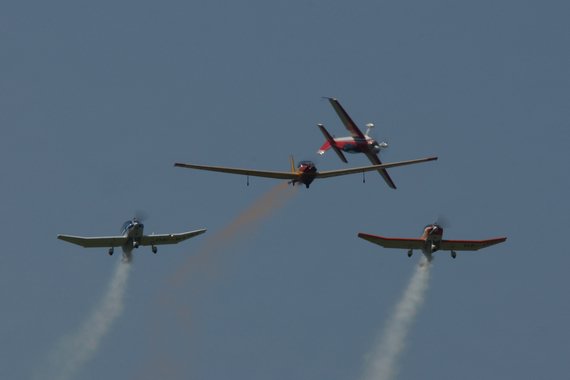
{"type": "Point", "coordinates": [99, 100]}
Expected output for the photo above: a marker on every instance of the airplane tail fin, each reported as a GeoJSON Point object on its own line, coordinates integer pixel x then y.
{"type": "Point", "coordinates": [292, 161]}
{"type": "Point", "coordinates": [330, 144]}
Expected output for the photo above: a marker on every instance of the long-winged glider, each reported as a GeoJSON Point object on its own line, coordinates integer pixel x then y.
{"type": "Point", "coordinates": [357, 142]}
{"type": "Point", "coordinates": [131, 237]}
{"type": "Point", "coordinates": [305, 173]}
{"type": "Point", "coordinates": [430, 242]}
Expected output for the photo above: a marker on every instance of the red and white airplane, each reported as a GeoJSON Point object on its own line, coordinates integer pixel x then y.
{"type": "Point", "coordinates": [430, 242]}
{"type": "Point", "coordinates": [357, 142]}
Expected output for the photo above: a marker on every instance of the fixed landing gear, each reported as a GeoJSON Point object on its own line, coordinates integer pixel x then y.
{"type": "Point", "coordinates": [410, 253]}
{"type": "Point", "coordinates": [453, 254]}
{"type": "Point", "coordinates": [135, 244]}
{"type": "Point", "coordinates": [154, 249]}
{"type": "Point", "coordinates": [111, 250]}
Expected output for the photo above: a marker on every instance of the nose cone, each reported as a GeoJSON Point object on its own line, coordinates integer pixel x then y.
{"type": "Point", "coordinates": [377, 147]}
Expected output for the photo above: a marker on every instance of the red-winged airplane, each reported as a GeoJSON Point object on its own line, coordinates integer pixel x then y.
{"type": "Point", "coordinates": [306, 172]}
{"type": "Point", "coordinates": [357, 142]}
{"type": "Point", "coordinates": [430, 242]}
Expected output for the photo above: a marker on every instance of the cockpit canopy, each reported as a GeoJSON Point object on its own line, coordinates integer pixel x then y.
{"type": "Point", "coordinates": [130, 224]}
{"type": "Point", "coordinates": [306, 163]}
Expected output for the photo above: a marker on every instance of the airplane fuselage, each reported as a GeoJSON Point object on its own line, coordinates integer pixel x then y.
{"type": "Point", "coordinates": [307, 171]}
{"type": "Point", "coordinates": [357, 145]}
{"type": "Point", "coordinates": [133, 230]}
{"type": "Point", "coordinates": [432, 236]}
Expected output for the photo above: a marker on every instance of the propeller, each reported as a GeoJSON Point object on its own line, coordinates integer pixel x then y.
{"type": "Point", "coordinates": [140, 215]}
{"type": "Point", "coordinates": [442, 221]}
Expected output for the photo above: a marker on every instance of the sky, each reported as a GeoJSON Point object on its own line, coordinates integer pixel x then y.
{"type": "Point", "coordinates": [99, 99]}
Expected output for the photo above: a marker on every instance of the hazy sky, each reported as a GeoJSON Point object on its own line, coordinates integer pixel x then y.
{"type": "Point", "coordinates": [99, 99]}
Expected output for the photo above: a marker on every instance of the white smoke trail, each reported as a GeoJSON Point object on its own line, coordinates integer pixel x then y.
{"type": "Point", "coordinates": [74, 350]}
{"type": "Point", "coordinates": [382, 361]}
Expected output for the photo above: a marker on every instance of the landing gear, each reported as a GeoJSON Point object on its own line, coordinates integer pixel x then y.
{"type": "Point", "coordinates": [135, 244]}
{"type": "Point", "coordinates": [111, 250]}
{"type": "Point", "coordinates": [410, 252]}
{"type": "Point", "coordinates": [453, 254]}
{"type": "Point", "coordinates": [154, 249]}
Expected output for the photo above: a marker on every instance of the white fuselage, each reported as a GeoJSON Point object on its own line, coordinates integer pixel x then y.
{"type": "Point", "coordinates": [432, 236]}
{"type": "Point", "coordinates": [133, 230]}
{"type": "Point", "coordinates": [356, 145]}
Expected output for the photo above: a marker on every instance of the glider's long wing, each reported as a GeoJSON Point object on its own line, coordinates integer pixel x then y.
{"type": "Point", "coordinates": [387, 242]}
{"type": "Point", "coordinates": [362, 169]}
{"type": "Point", "coordinates": [346, 120]}
{"type": "Point", "coordinates": [253, 173]}
{"type": "Point", "coordinates": [169, 238]}
{"type": "Point", "coordinates": [94, 242]}
{"type": "Point", "coordinates": [469, 245]}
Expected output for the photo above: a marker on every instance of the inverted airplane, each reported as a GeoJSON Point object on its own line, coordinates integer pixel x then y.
{"type": "Point", "coordinates": [357, 142]}
{"type": "Point", "coordinates": [131, 237]}
{"type": "Point", "coordinates": [431, 241]}
{"type": "Point", "coordinates": [305, 173]}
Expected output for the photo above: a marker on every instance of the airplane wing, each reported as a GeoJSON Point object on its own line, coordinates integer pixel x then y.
{"type": "Point", "coordinates": [253, 173]}
{"type": "Point", "coordinates": [362, 169]}
{"type": "Point", "coordinates": [376, 161]}
{"type": "Point", "coordinates": [169, 238]}
{"type": "Point", "coordinates": [95, 242]}
{"type": "Point", "coordinates": [393, 242]}
{"type": "Point", "coordinates": [469, 245]}
{"type": "Point", "coordinates": [357, 133]}
{"type": "Point", "coordinates": [346, 120]}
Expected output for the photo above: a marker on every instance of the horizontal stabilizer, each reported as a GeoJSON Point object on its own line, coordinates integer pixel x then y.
{"type": "Point", "coordinates": [331, 144]}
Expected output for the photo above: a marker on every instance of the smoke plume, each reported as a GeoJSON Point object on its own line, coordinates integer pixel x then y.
{"type": "Point", "coordinates": [74, 350]}
{"type": "Point", "coordinates": [243, 224]}
{"type": "Point", "coordinates": [197, 274]}
{"type": "Point", "coordinates": [383, 359]}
